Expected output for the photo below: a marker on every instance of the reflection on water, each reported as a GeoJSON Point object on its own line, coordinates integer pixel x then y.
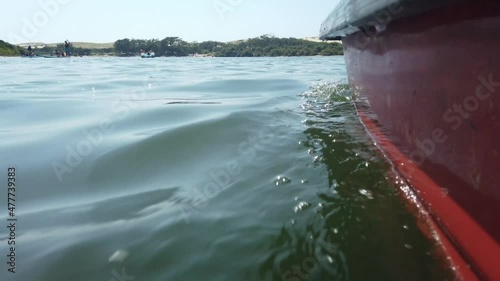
{"type": "Point", "coordinates": [355, 227]}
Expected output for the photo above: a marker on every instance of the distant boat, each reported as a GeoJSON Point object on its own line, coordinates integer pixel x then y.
{"type": "Point", "coordinates": [425, 75]}
{"type": "Point", "coordinates": [148, 55]}
{"type": "Point", "coordinates": [54, 57]}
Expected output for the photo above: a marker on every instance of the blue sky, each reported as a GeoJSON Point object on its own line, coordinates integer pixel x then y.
{"type": "Point", "coordinates": [193, 20]}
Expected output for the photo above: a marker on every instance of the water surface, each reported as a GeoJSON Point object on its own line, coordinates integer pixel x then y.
{"type": "Point", "coordinates": [198, 169]}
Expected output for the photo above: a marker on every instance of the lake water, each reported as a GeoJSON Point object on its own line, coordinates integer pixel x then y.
{"type": "Point", "coordinates": [197, 169]}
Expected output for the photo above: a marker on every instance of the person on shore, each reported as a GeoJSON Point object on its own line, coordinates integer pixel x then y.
{"type": "Point", "coordinates": [30, 53]}
{"type": "Point", "coordinates": [67, 46]}
{"type": "Point", "coordinates": [57, 53]}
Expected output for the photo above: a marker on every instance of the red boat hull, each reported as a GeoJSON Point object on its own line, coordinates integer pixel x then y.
{"type": "Point", "coordinates": [433, 82]}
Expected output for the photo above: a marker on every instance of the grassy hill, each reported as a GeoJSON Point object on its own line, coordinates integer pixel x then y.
{"type": "Point", "coordinates": [8, 50]}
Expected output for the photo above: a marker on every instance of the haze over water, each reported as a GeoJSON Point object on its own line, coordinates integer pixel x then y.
{"type": "Point", "coordinates": [198, 169]}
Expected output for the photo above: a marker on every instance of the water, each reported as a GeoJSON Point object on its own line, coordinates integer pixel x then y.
{"type": "Point", "coordinates": [198, 169]}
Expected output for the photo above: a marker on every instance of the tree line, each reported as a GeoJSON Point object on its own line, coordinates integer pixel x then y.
{"type": "Point", "coordinates": [75, 51]}
{"type": "Point", "coordinates": [263, 46]}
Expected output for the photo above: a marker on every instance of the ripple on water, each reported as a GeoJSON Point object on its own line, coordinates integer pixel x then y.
{"type": "Point", "coordinates": [134, 198]}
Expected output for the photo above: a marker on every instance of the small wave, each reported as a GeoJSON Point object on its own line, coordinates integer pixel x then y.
{"type": "Point", "coordinates": [330, 91]}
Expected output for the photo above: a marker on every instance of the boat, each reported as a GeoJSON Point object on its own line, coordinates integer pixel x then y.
{"type": "Point", "coordinates": [425, 77]}
{"type": "Point", "coordinates": [148, 55]}
{"type": "Point", "coordinates": [56, 57]}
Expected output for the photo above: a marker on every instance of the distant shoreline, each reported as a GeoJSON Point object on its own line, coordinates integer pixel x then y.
{"type": "Point", "coordinates": [106, 45]}
{"type": "Point", "coordinates": [263, 46]}
{"type": "Point", "coordinates": [186, 57]}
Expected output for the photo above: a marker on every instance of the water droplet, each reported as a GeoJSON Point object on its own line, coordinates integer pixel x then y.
{"type": "Point", "coordinates": [445, 191]}
{"type": "Point", "coordinates": [281, 180]}
{"type": "Point", "coordinates": [408, 246]}
{"type": "Point", "coordinates": [119, 256]}
{"type": "Point", "coordinates": [317, 159]}
{"type": "Point", "coordinates": [366, 193]}
{"type": "Point", "coordinates": [318, 208]}
{"type": "Point", "coordinates": [301, 206]}
{"type": "Point", "coordinates": [330, 260]}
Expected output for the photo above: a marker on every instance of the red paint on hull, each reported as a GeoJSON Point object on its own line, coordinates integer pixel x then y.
{"type": "Point", "coordinates": [426, 222]}
{"type": "Point", "coordinates": [433, 81]}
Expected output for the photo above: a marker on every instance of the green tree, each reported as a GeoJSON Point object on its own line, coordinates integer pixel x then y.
{"type": "Point", "coordinates": [7, 49]}
{"type": "Point", "coordinates": [265, 45]}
